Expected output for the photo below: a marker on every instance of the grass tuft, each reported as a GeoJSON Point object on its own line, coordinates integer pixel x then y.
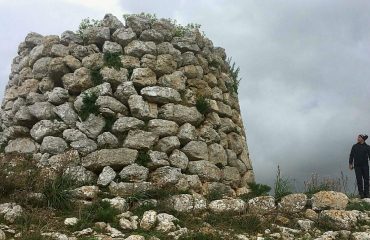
{"type": "Point", "coordinates": [202, 105]}
{"type": "Point", "coordinates": [113, 60]}
{"type": "Point", "coordinates": [89, 106]}
{"type": "Point", "coordinates": [96, 77]}
{"type": "Point", "coordinates": [143, 158]}
{"type": "Point", "coordinates": [57, 193]}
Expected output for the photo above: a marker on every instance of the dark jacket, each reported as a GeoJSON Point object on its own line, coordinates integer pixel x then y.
{"type": "Point", "coordinates": [360, 154]}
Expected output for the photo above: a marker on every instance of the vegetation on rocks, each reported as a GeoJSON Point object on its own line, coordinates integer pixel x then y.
{"type": "Point", "coordinates": [89, 106]}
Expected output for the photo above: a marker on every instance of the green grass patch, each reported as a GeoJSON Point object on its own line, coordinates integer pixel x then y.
{"type": "Point", "coordinates": [143, 158]}
{"type": "Point", "coordinates": [99, 211]}
{"type": "Point", "coordinates": [239, 223]}
{"type": "Point", "coordinates": [57, 193]}
{"type": "Point", "coordinates": [360, 206]}
{"type": "Point", "coordinates": [89, 106]}
{"type": "Point", "coordinates": [257, 190]}
{"type": "Point", "coordinates": [113, 60]}
{"type": "Point", "coordinates": [109, 121]}
{"type": "Point", "coordinates": [201, 236]}
{"type": "Point", "coordinates": [234, 74]}
{"type": "Point", "coordinates": [202, 105]}
{"type": "Point", "coordinates": [96, 77]}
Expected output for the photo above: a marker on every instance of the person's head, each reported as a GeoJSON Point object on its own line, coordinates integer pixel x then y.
{"type": "Point", "coordinates": [362, 138]}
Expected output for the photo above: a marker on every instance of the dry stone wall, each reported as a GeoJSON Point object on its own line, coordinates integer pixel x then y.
{"type": "Point", "coordinates": [130, 107]}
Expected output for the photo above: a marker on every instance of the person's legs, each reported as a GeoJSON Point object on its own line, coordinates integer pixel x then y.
{"type": "Point", "coordinates": [365, 175]}
{"type": "Point", "coordinates": [360, 186]}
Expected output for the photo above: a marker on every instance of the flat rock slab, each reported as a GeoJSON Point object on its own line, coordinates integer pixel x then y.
{"type": "Point", "coordinates": [115, 158]}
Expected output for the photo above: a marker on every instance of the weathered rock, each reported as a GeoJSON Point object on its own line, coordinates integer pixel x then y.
{"type": "Point", "coordinates": [179, 159]}
{"type": "Point", "coordinates": [41, 67]}
{"type": "Point", "coordinates": [42, 110]}
{"type": "Point", "coordinates": [80, 174]}
{"type": "Point", "coordinates": [186, 133]}
{"type": "Point", "coordinates": [112, 47]}
{"type": "Point", "coordinates": [162, 127]}
{"type": "Point", "coordinates": [53, 145]}
{"type": "Point", "coordinates": [21, 145]}
{"type": "Point", "coordinates": [196, 150]}
{"type": "Point", "coordinates": [148, 220]}
{"type": "Point", "coordinates": [263, 204]}
{"type": "Point", "coordinates": [329, 200]}
{"type": "Point", "coordinates": [59, 50]}
{"type": "Point", "coordinates": [123, 36]}
{"type": "Point", "coordinates": [118, 203]}
{"type": "Point", "coordinates": [143, 77]}
{"type": "Point", "coordinates": [78, 81]}
{"type": "Point", "coordinates": [125, 189]}
{"type": "Point", "coordinates": [142, 109]}
{"type": "Point", "coordinates": [60, 161]}
{"type": "Point", "coordinates": [116, 158]}
{"type": "Point", "coordinates": [160, 94]}
{"type": "Point", "coordinates": [66, 113]}
{"type": "Point", "coordinates": [93, 126]}
{"type": "Point", "coordinates": [72, 62]}
{"type": "Point", "coordinates": [134, 173]}
{"type": "Point", "coordinates": [11, 211]}
{"type": "Point", "coordinates": [165, 176]}
{"type": "Point", "coordinates": [57, 68]}
{"type": "Point", "coordinates": [205, 170]}
{"type": "Point", "coordinates": [293, 203]}
{"type": "Point", "coordinates": [157, 159]}
{"type": "Point", "coordinates": [124, 124]}
{"type": "Point", "coordinates": [165, 64]}
{"type": "Point", "coordinates": [84, 146]}
{"type": "Point", "coordinates": [58, 96]}
{"type": "Point", "coordinates": [339, 219]}
{"type": "Point", "coordinates": [124, 91]}
{"type": "Point", "coordinates": [46, 128]}
{"type": "Point", "coordinates": [72, 135]}
{"type": "Point", "coordinates": [175, 80]}
{"type": "Point", "coordinates": [180, 114]}
{"type": "Point", "coordinates": [231, 176]}
{"type": "Point", "coordinates": [227, 205]}
{"type": "Point", "coordinates": [138, 48]}
{"type": "Point", "coordinates": [113, 76]}
{"type": "Point", "coordinates": [110, 104]}
{"type": "Point", "coordinates": [69, 36]}
{"type": "Point", "coordinates": [217, 154]}
{"type": "Point", "coordinates": [86, 192]}
{"type": "Point", "coordinates": [106, 176]}
{"type": "Point", "coordinates": [70, 221]}
{"type": "Point", "coordinates": [107, 140]}
{"type": "Point", "coordinates": [138, 139]}
{"type": "Point", "coordinates": [96, 35]}
{"type": "Point", "coordinates": [168, 144]}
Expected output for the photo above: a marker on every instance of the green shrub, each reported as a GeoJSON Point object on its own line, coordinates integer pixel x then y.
{"type": "Point", "coordinates": [96, 77]}
{"type": "Point", "coordinates": [57, 193]}
{"type": "Point", "coordinates": [113, 60]}
{"type": "Point", "coordinates": [202, 105]}
{"type": "Point", "coordinates": [87, 23]}
{"type": "Point", "coordinates": [214, 195]}
{"type": "Point", "coordinates": [360, 206]}
{"type": "Point", "coordinates": [151, 17]}
{"type": "Point", "coordinates": [99, 211]}
{"type": "Point", "coordinates": [109, 121]}
{"type": "Point", "coordinates": [143, 158]}
{"type": "Point", "coordinates": [181, 30]}
{"type": "Point", "coordinates": [239, 223]}
{"type": "Point", "coordinates": [234, 73]}
{"type": "Point", "coordinates": [256, 191]}
{"type": "Point", "coordinates": [201, 236]}
{"type": "Point", "coordinates": [89, 106]}
{"type": "Point", "coordinates": [283, 186]}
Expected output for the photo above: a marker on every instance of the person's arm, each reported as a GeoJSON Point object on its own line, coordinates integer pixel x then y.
{"type": "Point", "coordinates": [351, 157]}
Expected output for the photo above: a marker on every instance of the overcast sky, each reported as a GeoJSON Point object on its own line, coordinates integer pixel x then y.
{"type": "Point", "coordinates": [305, 68]}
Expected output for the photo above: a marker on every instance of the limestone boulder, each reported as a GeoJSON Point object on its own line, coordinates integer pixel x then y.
{"type": "Point", "coordinates": [180, 114]}
{"type": "Point", "coordinates": [22, 145]}
{"type": "Point", "coordinates": [329, 200]}
{"type": "Point", "coordinates": [262, 204]}
{"type": "Point", "coordinates": [196, 150]}
{"type": "Point", "coordinates": [139, 139]}
{"type": "Point", "coordinates": [116, 158]}
{"type": "Point", "coordinates": [227, 205]}
{"type": "Point", "coordinates": [293, 203]}
{"type": "Point", "coordinates": [106, 176]}
{"type": "Point", "coordinates": [138, 48]}
{"type": "Point", "coordinates": [161, 94]}
{"type": "Point", "coordinates": [134, 173]}
{"type": "Point", "coordinates": [163, 128]}
{"type": "Point", "coordinates": [205, 170]}
{"type": "Point", "coordinates": [53, 145]}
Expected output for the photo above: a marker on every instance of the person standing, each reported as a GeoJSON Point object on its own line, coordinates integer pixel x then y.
{"type": "Point", "coordinates": [359, 160]}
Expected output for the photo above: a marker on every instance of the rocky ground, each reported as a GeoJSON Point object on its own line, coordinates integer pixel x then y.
{"type": "Point", "coordinates": [31, 208]}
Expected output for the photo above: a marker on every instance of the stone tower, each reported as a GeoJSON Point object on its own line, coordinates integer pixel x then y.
{"type": "Point", "coordinates": [130, 107]}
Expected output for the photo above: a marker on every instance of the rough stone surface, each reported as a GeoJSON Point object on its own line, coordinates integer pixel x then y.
{"type": "Point", "coordinates": [293, 203]}
{"type": "Point", "coordinates": [263, 204]}
{"type": "Point", "coordinates": [227, 205]}
{"type": "Point", "coordinates": [329, 200]}
{"type": "Point", "coordinates": [115, 158]}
